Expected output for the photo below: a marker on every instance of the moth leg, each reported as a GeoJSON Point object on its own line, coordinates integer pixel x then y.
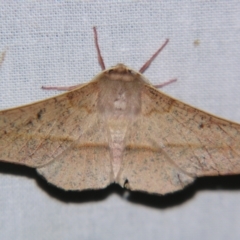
{"type": "Point", "coordinates": [100, 61]}
{"type": "Point", "coordinates": [165, 83]}
{"type": "Point", "coordinates": [70, 88]}
{"type": "Point", "coordinates": [147, 64]}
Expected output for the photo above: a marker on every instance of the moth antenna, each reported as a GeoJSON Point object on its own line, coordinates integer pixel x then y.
{"type": "Point", "coordinates": [100, 59]}
{"type": "Point", "coordinates": [147, 64]}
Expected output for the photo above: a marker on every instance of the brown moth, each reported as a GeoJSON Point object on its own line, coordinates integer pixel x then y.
{"type": "Point", "coordinates": [119, 128]}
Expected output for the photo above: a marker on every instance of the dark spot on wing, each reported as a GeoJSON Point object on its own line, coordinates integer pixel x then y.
{"type": "Point", "coordinates": [126, 184]}
{"type": "Point", "coordinates": [29, 123]}
{"type": "Point", "coordinates": [70, 96]}
{"type": "Point", "coordinates": [40, 113]}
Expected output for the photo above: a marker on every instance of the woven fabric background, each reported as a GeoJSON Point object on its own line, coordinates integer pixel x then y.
{"type": "Point", "coordinates": [51, 43]}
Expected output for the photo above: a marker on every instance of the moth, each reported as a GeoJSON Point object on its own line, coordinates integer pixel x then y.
{"type": "Point", "coordinates": [119, 128]}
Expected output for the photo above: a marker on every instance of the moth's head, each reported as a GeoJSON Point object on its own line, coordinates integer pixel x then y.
{"type": "Point", "coordinates": [122, 73]}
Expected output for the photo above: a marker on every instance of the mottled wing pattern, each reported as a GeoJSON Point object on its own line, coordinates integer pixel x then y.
{"type": "Point", "coordinates": [171, 143]}
{"type": "Point", "coordinates": [61, 138]}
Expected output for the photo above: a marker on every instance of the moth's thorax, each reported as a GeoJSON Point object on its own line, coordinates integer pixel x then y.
{"type": "Point", "coordinates": [120, 91]}
{"type": "Point", "coordinates": [120, 104]}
